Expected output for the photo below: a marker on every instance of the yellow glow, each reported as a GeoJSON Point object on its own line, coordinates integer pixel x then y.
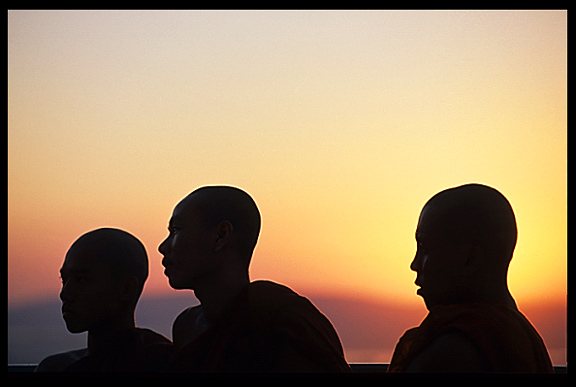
{"type": "Point", "coordinates": [340, 124]}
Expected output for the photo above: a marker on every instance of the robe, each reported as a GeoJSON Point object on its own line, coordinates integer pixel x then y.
{"type": "Point", "coordinates": [506, 340]}
{"type": "Point", "coordinates": [268, 328]}
{"type": "Point", "coordinates": [134, 350]}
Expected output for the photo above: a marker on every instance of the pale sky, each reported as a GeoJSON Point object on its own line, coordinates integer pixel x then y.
{"type": "Point", "coordinates": [341, 125]}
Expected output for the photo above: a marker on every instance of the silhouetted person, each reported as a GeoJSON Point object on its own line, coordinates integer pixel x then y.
{"type": "Point", "coordinates": [102, 278]}
{"type": "Point", "coordinates": [466, 237]}
{"type": "Point", "coordinates": [240, 326]}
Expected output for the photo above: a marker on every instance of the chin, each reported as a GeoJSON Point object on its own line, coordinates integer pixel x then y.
{"type": "Point", "coordinates": [75, 328]}
{"type": "Point", "coordinates": [429, 304]}
{"type": "Point", "coordinates": [178, 285]}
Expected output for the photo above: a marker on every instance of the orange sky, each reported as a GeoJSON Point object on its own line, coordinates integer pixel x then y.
{"type": "Point", "coordinates": [340, 124]}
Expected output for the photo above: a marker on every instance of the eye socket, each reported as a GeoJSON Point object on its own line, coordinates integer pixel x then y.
{"type": "Point", "coordinates": [79, 279]}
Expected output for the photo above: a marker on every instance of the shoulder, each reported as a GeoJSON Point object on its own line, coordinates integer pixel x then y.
{"type": "Point", "coordinates": [149, 337]}
{"type": "Point", "coordinates": [60, 361]}
{"type": "Point", "coordinates": [283, 310]}
{"type": "Point", "coordinates": [187, 326]}
{"type": "Point", "coordinates": [270, 296]}
{"type": "Point", "coordinates": [186, 317]}
{"type": "Point", "coordinates": [450, 352]}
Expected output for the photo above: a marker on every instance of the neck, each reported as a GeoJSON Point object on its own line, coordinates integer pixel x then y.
{"type": "Point", "coordinates": [497, 293]}
{"type": "Point", "coordinates": [103, 335]}
{"type": "Point", "coordinates": [216, 297]}
{"type": "Point", "coordinates": [500, 295]}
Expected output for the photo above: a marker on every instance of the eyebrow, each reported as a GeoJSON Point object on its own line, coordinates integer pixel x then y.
{"type": "Point", "coordinates": [175, 218]}
{"type": "Point", "coordinates": [79, 270]}
{"type": "Point", "coordinates": [419, 237]}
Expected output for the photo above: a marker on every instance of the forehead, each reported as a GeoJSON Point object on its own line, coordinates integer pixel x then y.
{"type": "Point", "coordinates": [186, 209]}
{"type": "Point", "coordinates": [430, 222]}
{"type": "Point", "coordinates": [428, 216]}
{"type": "Point", "coordinates": [81, 259]}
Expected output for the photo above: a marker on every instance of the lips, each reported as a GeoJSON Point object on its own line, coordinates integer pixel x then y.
{"type": "Point", "coordinates": [167, 264]}
{"type": "Point", "coordinates": [419, 291]}
{"type": "Point", "coordinates": [66, 310]}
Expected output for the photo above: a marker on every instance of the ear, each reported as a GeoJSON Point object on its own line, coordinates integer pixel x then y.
{"type": "Point", "coordinates": [474, 256]}
{"type": "Point", "coordinates": [129, 289]}
{"type": "Point", "coordinates": [224, 232]}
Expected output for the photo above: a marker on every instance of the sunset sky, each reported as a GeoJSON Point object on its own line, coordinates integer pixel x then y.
{"type": "Point", "coordinates": [340, 124]}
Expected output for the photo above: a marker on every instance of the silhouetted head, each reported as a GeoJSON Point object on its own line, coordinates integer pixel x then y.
{"type": "Point", "coordinates": [102, 278]}
{"type": "Point", "coordinates": [466, 238]}
{"type": "Point", "coordinates": [213, 229]}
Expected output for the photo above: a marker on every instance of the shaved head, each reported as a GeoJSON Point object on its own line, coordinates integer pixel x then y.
{"type": "Point", "coordinates": [123, 253]}
{"type": "Point", "coordinates": [214, 204]}
{"type": "Point", "coordinates": [465, 240]}
{"type": "Point", "coordinates": [479, 215]}
{"type": "Point", "coordinates": [103, 276]}
{"type": "Point", "coordinates": [212, 234]}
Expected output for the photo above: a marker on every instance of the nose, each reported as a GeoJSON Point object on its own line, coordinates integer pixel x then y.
{"type": "Point", "coordinates": [65, 293]}
{"type": "Point", "coordinates": [163, 247]}
{"type": "Point", "coordinates": [416, 262]}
